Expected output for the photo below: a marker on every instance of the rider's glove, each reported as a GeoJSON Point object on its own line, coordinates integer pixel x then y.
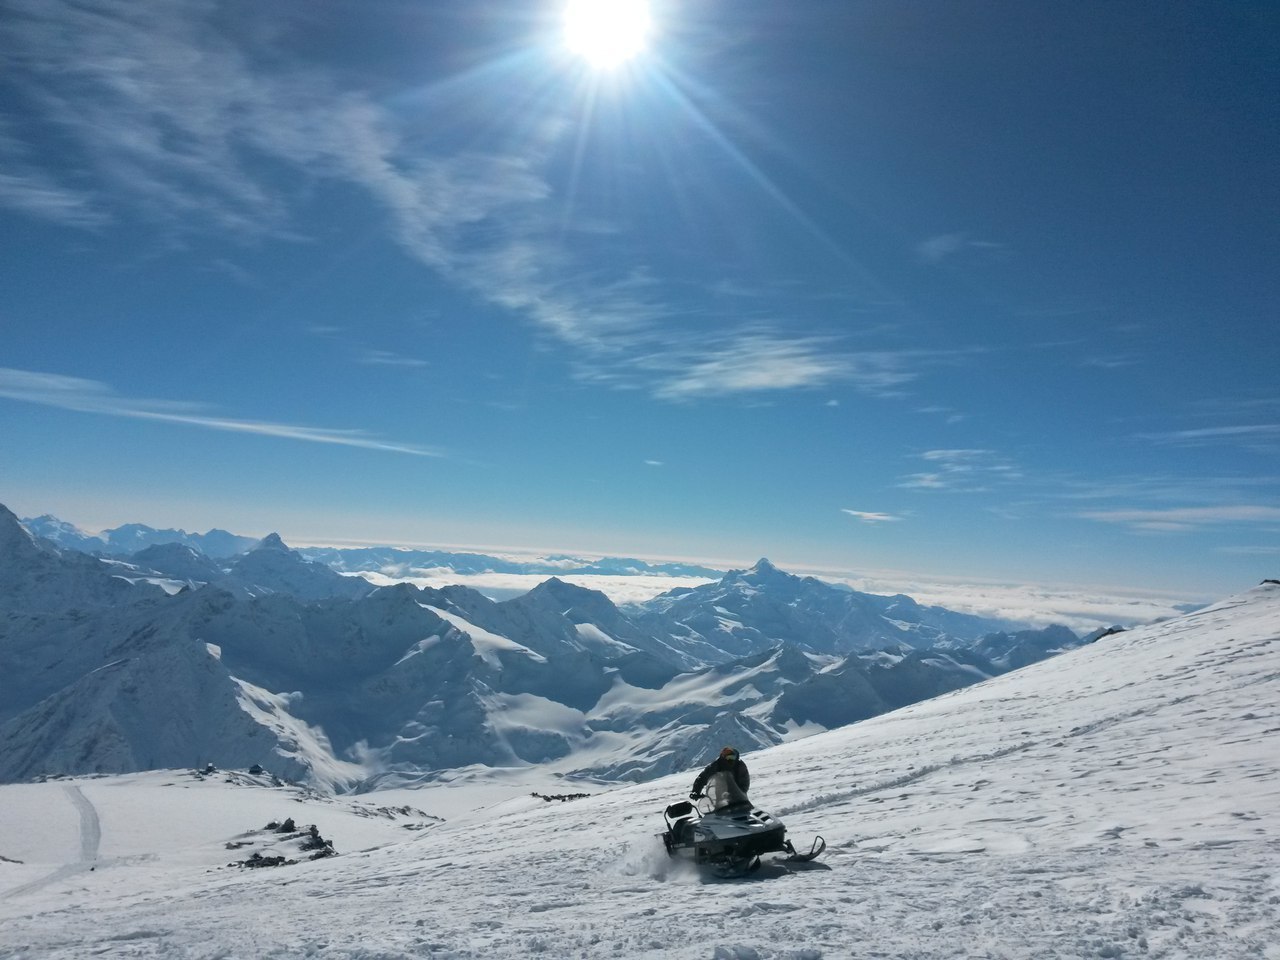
{"type": "Point", "coordinates": [694, 795]}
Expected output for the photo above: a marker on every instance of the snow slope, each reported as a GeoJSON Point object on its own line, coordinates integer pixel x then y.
{"type": "Point", "coordinates": [1122, 800]}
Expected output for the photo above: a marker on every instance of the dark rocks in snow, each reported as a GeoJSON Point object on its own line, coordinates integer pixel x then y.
{"type": "Point", "coordinates": [258, 860]}
{"type": "Point", "coordinates": [1101, 634]}
{"type": "Point", "coordinates": [317, 845]}
{"type": "Point", "coordinates": [308, 841]}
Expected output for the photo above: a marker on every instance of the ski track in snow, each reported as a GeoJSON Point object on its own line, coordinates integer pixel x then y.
{"type": "Point", "coordinates": [1122, 801]}
{"type": "Point", "coordinates": [90, 839]}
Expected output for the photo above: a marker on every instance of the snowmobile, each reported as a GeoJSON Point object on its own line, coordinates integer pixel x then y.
{"type": "Point", "coordinates": [726, 833]}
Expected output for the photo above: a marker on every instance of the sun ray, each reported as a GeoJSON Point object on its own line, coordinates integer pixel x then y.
{"type": "Point", "coordinates": [672, 83]}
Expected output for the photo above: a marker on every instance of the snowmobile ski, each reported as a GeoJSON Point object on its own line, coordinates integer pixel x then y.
{"type": "Point", "coordinates": [815, 851]}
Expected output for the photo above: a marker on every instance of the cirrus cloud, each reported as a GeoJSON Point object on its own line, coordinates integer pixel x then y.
{"type": "Point", "coordinates": [869, 517]}
{"type": "Point", "coordinates": [93, 396]}
{"type": "Point", "coordinates": [1186, 518]}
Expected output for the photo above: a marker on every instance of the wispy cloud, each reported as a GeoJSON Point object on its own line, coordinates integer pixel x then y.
{"type": "Point", "coordinates": [962, 471]}
{"type": "Point", "coordinates": [1178, 519]}
{"type": "Point", "coordinates": [867, 517]}
{"type": "Point", "coordinates": [757, 362]}
{"type": "Point", "coordinates": [1168, 490]}
{"type": "Point", "coordinates": [385, 358]}
{"type": "Point", "coordinates": [25, 188]}
{"type": "Point", "coordinates": [1263, 436]}
{"type": "Point", "coordinates": [1236, 408]}
{"type": "Point", "coordinates": [1113, 362]}
{"type": "Point", "coordinates": [93, 396]}
{"type": "Point", "coordinates": [37, 195]}
{"type": "Point", "coordinates": [173, 117]}
{"type": "Point", "coordinates": [947, 413]}
{"type": "Point", "coordinates": [945, 245]}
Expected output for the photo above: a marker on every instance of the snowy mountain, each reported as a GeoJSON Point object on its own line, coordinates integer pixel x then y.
{"type": "Point", "coordinates": [177, 561]}
{"type": "Point", "coordinates": [271, 567]}
{"type": "Point", "coordinates": [757, 702]}
{"type": "Point", "coordinates": [1121, 800]}
{"type": "Point", "coordinates": [1009, 651]}
{"type": "Point", "coordinates": [136, 686]}
{"type": "Point", "coordinates": [266, 566]}
{"type": "Point", "coordinates": [573, 618]}
{"type": "Point", "coordinates": [271, 658]}
{"type": "Point", "coordinates": [65, 535]}
{"type": "Point", "coordinates": [749, 611]}
{"type": "Point", "coordinates": [133, 537]}
{"type": "Point", "coordinates": [35, 576]}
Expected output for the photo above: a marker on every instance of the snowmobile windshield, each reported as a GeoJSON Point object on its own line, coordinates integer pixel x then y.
{"type": "Point", "coordinates": [723, 791]}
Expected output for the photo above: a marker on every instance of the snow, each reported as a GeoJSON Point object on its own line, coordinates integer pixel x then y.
{"type": "Point", "coordinates": [271, 711]}
{"type": "Point", "coordinates": [527, 711]}
{"type": "Point", "coordinates": [486, 644]}
{"type": "Point", "coordinates": [129, 573]}
{"type": "Point", "coordinates": [420, 647]}
{"type": "Point", "coordinates": [1122, 800]}
{"type": "Point", "coordinates": [596, 638]}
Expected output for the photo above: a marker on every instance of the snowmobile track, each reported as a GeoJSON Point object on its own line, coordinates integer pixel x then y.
{"type": "Point", "coordinates": [90, 840]}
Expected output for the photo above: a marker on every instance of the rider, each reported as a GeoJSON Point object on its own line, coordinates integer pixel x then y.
{"type": "Point", "coordinates": [728, 761]}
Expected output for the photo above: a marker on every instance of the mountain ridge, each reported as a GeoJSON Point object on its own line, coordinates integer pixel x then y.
{"type": "Point", "coordinates": [347, 685]}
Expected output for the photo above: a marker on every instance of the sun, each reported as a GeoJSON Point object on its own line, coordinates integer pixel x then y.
{"type": "Point", "coordinates": [607, 33]}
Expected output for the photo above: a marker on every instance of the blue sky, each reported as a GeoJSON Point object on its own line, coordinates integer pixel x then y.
{"type": "Point", "coordinates": [971, 289]}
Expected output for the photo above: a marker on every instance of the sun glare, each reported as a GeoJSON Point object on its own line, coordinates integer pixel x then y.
{"type": "Point", "coordinates": [606, 33]}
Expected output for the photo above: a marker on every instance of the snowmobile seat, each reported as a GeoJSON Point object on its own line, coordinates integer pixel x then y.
{"type": "Point", "coordinates": [681, 816]}
{"type": "Point", "coordinates": [679, 809]}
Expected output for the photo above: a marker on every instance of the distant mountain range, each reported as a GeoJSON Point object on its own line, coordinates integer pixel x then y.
{"type": "Point", "coordinates": [132, 537]}
{"type": "Point", "coordinates": [127, 540]}
{"type": "Point", "coordinates": [170, 656]}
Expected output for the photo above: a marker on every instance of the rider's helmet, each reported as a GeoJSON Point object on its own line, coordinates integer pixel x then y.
{"type": "Point", "coordinates": [729, 754]}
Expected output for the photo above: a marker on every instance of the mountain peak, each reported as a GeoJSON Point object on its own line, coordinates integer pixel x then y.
{"type": "Point", "coordinates": [562, 592]}
{"type": "Point", "coordinates": [14, 537]}
{"type": "Point", "coordinates": [766, 572]}
{"type": "Point", "coordinates": [273, 542]}
{"type": "Point", "coordinates": [762, 573]}
{"type": "Point", "coordinates": [561, 588]}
